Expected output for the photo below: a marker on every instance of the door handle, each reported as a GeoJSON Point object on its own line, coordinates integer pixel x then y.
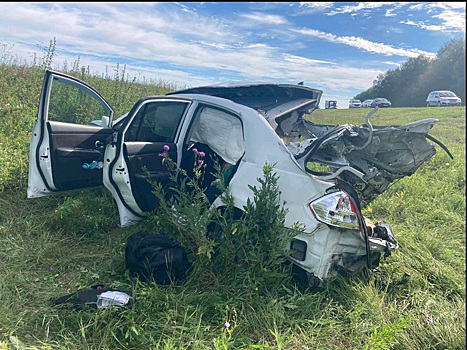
{"type": "Point", "coordinates": [99, 144]}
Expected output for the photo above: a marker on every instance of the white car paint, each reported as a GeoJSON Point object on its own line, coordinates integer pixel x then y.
{"type": "Point", "coordinates": [355, 104]}
{"type": "Point", "coordinates": [442, 99]}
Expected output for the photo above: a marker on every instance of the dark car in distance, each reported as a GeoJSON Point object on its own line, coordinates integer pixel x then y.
{"type": "Point", "coordinates": [380, 102]}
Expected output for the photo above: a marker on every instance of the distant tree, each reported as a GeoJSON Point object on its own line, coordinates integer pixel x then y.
{"type": "Point", "coordinates": [448, 71]}
{"type": "Point", "coordinates": [368, 94]}
{"type": "Point", "coordinates": [410, 83]}
{"type": "Point", "coordinates": [408, 94]}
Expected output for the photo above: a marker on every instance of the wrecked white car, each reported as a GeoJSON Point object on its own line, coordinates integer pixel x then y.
{"type": "Point", "coordinates": [245, 126]}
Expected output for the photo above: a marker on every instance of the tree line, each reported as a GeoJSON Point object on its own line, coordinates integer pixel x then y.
{"type": "Point", "coordinates": [410, 83]}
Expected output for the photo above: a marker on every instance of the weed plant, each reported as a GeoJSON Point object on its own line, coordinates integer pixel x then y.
{"type": "Point", "coordinates": [238, 296]}
{"type": "Point", "coordinates": [226, 244]}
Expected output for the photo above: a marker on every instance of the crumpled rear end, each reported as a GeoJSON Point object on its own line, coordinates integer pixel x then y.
{"type": "Point", "coordinates": [344, 242]}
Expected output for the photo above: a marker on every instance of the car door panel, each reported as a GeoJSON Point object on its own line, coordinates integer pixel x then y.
{"type": "Point", "coordinates": [63, 137]}
{"type": "Point", "coordinates": [72, 147]}
{"type": "Point", "coordinates": [145, 162]}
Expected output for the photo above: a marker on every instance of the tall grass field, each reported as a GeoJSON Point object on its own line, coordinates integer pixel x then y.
{"type": "Point", "coordinates": [52, 246]}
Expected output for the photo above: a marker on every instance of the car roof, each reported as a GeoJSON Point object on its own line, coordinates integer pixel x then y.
{"type": "Point", "coordinates": [275, 102]}
{"type": "Point", "coordinates": [257, 95]}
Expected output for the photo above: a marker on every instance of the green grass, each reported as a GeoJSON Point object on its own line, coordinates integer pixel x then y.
{"type": "Point", "coordinates": [55, 245]}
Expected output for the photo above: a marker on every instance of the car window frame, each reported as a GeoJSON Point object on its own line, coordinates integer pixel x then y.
{"type": "Point", "coordinates": [196, 113]}
{"type": "Point", "coordinates": [142, 104]}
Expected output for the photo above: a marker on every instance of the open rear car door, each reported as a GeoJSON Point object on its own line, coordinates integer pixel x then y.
{"type": "Point", "coordinates": [150, 130]}
{"type": "Point", "coordinates": [69, 137]}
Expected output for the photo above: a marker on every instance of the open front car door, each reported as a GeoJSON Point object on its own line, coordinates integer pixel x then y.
{"type": "Point", "coordinates": [69, 137]}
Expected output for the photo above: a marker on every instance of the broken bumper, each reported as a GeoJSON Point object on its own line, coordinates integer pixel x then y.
{"type": "Point", "coordinates": [328, 252]}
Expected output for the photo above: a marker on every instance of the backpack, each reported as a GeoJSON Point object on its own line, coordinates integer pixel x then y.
{"type": "Point", "coordinates": [155, 256]}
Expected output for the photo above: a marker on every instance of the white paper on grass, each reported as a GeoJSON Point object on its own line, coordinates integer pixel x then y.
{"type": "Point", "coordinates": [220, 131]}
{"type": "Point", "coordinates": [112, 298]}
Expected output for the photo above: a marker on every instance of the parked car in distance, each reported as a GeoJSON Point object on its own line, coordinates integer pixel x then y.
{"type": "Point", "coordinates": [380, 102]}
{"type": "Point", "coordinates": [355, 104]}
{"type": "Point", "coordinates": [367, 103]}
{"type": "Point", "coordinates": [330, 104]}
{"type": "Point", "coordinates": [442, 98]}
{"type": "Point", "coordinates": [76, 144]}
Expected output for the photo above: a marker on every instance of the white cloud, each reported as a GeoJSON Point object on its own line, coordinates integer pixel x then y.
{"type": "Point", "coordinates": [317, 5]}
{"type": "Point", "coordinates": [365, 8]}
{"type": "Point", "coordinates": [184, 7]}
{"type": "Point", "coordinates": [451, 14]}
{"type": "Point", "coordinates": [390, 13]}
{"type": "Point", "coordinates": [364, 44]}
{"type": "Point", "coordinates": [161, 45]}
{"type": "Point", "coordinates": [302, 60]}
{"type": "Point", "coordinates": [261, 18]}
{"type": "Point", "coordinates": [452, 5]}
{"type": "Point", "coordinates": [354, 9]}
{"type": "Point", "coordinates": [452, 20]}
{"type": "Point", "coordinates": [424, 26]}
{"type": "Point", "coordinates": [391, 63]}
{"type": "Point", "coordinates": [312, 7]}
{"type": "Point", "coordinates": [416, 7]}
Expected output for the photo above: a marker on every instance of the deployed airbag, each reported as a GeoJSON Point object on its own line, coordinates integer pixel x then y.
{"type": "Point", "coordinates": [220, 131]}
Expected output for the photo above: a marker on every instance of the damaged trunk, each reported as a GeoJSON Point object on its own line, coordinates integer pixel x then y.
{"type": "Point", "coordinates": [367, 158]}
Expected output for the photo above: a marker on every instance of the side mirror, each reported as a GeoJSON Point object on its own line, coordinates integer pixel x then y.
{"type": "Point", "coordinates": [105, 121]}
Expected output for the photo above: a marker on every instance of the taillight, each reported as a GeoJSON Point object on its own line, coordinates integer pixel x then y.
{"type": "Point", "coordinates": [336, 209]}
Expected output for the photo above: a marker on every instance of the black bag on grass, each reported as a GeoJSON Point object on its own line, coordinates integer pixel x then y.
{"type": "Point", "coordinates": [155, 256]}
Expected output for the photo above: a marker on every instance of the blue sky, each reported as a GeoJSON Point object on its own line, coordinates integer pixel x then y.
{"type": "Point", "coordinates": [337, 47]}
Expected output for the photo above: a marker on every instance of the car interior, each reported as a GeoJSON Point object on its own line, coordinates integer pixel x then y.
{"type": "Point", "coordinates": [152, 128]}
{"type": "Point", "coordinates": [219, 135]}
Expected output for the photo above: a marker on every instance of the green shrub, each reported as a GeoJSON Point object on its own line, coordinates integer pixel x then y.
{"type": "Point", "coordinates": [228, 243]}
